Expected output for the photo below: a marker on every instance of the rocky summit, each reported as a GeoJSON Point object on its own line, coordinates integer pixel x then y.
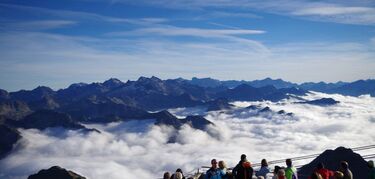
{"type": "Point", "coordinates": [55, 172]}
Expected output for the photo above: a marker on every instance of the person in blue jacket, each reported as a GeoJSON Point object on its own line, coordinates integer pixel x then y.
{"type": "Point", "coordinates": [214, 172]}
{"type": "Point", "coordinates": [264, 170]}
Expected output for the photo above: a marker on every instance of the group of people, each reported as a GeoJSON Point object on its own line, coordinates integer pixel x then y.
{"type": "Point", "coordinates": [177, 175]}
{"type": "Point", "coordinates": [244, 170]}
{"type": "Point", "coordinates": [344, 173]}
{"type": "Point", "coordinates": [322, 173]}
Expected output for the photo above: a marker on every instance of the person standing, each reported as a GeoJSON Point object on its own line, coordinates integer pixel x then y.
{"type": "Point", "coordinates": [264, 170]}
{"type": "Point", "coordinates": [372, 170]}
{"type": "Point", "coordinates": [223, 170]}
{"type": "Point", "coordinates": [166, 175]}
{"type": "Point", "coordinates": [243, 169]}
{"type": "Point", "coordinates": [344, 168]}
{"type": "Point", "coordinates": [290, 171]}
{"type": "Point", "coordinates": [276, 172]}
{"type": "Point", "coordinates": [213, 172]}
{"type": "Point", "coordinates": [325, 173]}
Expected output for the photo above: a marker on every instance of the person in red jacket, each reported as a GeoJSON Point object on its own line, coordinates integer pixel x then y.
{"type": "Point", "coordinates": [325, 173]}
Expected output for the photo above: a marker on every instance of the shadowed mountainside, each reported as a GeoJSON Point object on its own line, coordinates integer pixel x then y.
{"type": "Point", "coordinates": [332, 159]}
{"type": "Point", "coordinates": [55, 172]}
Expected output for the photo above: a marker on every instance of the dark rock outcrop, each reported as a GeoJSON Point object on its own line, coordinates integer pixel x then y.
{"type": "Point", "coordinates": [265, 109]}
{"type": "Point", "coordinates": [4, 95]}
{"type": "Point", "coordinates": [332, 159]}
{"type": "Point", "coordinates": [218, 104]}
{"type": "Point", "coordinates": [55, 172]}
{"type": "Point", "coordinates": [46, 118]}
{"type": "Point", "coordinates": [166, 118]}
{"type": "Point", "coordinates": [197, 122]}
{"type": "Point", "coordinates": [14, 109]}
{"type": "Point", "coordinates": [8, 137]}
{"type": "Point", "coordinates": [322, 102]}
{"type": "Point", "coordinates": [103, 109]}
{"type": "Point", "coordinates": [47, 102]}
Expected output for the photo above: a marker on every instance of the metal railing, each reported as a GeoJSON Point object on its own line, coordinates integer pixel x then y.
{"type": "Point", "coordinates": [196, 172]}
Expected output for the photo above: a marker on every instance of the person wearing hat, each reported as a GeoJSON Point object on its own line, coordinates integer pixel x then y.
{"type": "Point", "coordinates": [243, 169]}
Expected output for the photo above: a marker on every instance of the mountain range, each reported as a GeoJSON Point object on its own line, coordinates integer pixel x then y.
{"type": "Point", "coordinates": [146, 98]}
{"type": "Point", "coordinates": [355, 88]}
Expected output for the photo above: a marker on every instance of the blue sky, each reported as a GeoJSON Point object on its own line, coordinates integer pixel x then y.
{"type": "Point", "coordinates": [56, 43]}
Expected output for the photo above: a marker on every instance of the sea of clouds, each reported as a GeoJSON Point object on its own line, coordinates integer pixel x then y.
{"type": "Point", "coordinates": [139, 149]}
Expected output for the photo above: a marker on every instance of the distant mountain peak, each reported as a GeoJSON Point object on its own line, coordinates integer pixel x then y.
{"type": "Point", "coordinates": [77, 85]}
{"type": "Point", "coordinates": [43, 88]}
{"type": "Point", "coordinates": [113, 82]}
{"type": "Point", "coordinates": [152, 78]}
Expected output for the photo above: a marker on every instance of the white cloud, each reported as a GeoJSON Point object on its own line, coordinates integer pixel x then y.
{"type": "Point", "coordinates": [81, 15]}
{"type": "Point", "coordinates": [333, 10]}
{"type": "Point", "coordinates": [178, 31]}
{"type": "Point", "coordinates": [119, 152]}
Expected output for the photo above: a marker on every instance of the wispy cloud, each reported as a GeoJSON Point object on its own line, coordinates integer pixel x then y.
{"type": "Point", "coordinates": [80, 15]}
{"type": "Point", "coordinates": [35, 25]}
{"type": "Point", "coordinates": [186, 31]}
{"type": "Point", "coordinates": [334, 10]}
{"type": "Point", "coordinates": [224, 14]}
{"type": "Point", "coordinates": [58, 59]}
{"type": "Point", "coordinates": [339, 14]}
{"type": "Point", "coordinates": [346, 12]}
{"type": "Point", "coordinates": [225, 35]}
